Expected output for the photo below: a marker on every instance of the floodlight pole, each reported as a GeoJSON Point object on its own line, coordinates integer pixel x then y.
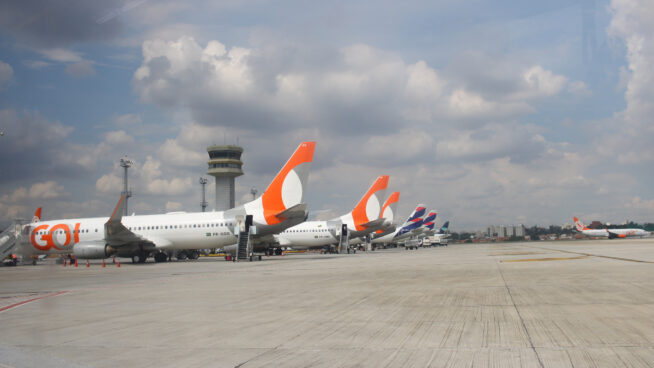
{"type": "Point", "coordinates": [203, 182]}
{"type": "Point", "coordinates": [126, 163]}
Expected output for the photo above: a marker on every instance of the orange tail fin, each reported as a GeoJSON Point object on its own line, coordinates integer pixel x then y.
{"type": "Point", "coordinates": [369, 207]}
{"type": "Point", "coordinates": [288, 187]}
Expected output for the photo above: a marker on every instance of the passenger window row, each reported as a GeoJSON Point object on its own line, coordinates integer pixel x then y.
{"type": "Point", "coordinates": [176, 227]}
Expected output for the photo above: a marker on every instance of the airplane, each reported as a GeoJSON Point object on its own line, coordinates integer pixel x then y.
{"type": "Point", "coordinates": [405, 231]}
{"type": "Point", "coordinates": [387, 213]}
{"type": "Point", "coordinates": [279, 207]}
{"type": "Point", "coordinates": [441, 235]}
{"type": "Point", "coordinates": [362, 220]}
{"type": "Point", "coordinates": [609, 233]}
{"type": "Point", "coordinates": [426, 226]}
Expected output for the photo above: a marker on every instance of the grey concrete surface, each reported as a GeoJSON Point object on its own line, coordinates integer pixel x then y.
{"type": "Point", "coordinates": [537, 304]}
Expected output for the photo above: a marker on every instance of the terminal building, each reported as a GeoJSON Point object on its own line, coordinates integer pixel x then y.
{"type": "Point", "coordinates": [225, 165]}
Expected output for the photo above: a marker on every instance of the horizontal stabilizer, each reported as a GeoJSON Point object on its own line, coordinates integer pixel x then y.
{"type": "Point", "coordinates": [374, 223]}
{"type": "Point", "coordinates": [295, 212]}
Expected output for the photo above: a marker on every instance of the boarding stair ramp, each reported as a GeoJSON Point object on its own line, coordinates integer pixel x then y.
{"type": "Point", "coordinates": [344, 240]}
{"type": "Point", "coordinates": [8, 240]}
{"type": "Point", "coordinates": [244, 248]}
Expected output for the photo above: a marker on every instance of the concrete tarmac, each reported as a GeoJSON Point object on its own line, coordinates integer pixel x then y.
{"type": "Point", "coordinates": [534, 304]}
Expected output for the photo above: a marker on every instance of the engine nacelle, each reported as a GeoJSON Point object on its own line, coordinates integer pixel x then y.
{"type": "Point", "coordinates": [90, 250]}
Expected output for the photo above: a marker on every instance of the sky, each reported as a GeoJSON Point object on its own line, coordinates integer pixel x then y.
{"type": "Point", "coordinates": [490, 112]}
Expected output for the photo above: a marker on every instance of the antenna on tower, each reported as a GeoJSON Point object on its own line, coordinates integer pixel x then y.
{"type": "Point", "coordinates": [203, 204]}
{"type": "Point", "coordinates": [253, 191]}
{"type": "Point", "coordinates": [126, 163]}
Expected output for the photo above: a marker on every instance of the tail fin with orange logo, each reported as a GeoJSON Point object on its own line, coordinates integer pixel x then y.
{"type": "Point", "coordinates": [284, 197]}
{"type": "Point", "coordinates": [580, 226]}
{"type": "Point", "coordinates": [37, 215]}
{"type": "Point", "coordinates": [366, 213]}
{"type": "Point", "coordinates": [388, 210]}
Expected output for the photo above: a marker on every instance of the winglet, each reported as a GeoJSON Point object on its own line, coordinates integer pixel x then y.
{"type": "Point", "coordinates": [117, 215]}
{"type": "Point", "coordinates": [369, 207]}
{"type": "Point", "coordinates": [288, 187]}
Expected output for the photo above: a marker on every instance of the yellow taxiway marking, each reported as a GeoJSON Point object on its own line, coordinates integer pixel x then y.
{"type": "Point", "coordinates": [544, 259]}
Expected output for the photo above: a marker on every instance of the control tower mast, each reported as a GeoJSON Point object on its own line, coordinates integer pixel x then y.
{"type": "Point", "coordinates": [225, 165]}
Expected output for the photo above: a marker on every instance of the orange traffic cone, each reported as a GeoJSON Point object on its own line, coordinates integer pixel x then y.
{"type": "Point", "coordinates": [103, 263]}
{"type": "Point", "coordinates": [87, 263]}
{"type": "Point", "coordinates": [75, 262]}
{"type": "Point", "coordinates": [114, 261]}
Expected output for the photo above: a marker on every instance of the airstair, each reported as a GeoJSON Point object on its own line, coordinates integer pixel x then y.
{"type": "Point", "coordinates": [244, 249]}
{"type": "Point", "coordinates": [8, 241]}
{"type": "Point", "coordinates": [344, 241]}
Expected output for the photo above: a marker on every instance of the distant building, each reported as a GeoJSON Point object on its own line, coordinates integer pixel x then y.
{"type": "Point", "coordinates": [596, 225]}
{"type": "Point", "coordinates": [519, 230]}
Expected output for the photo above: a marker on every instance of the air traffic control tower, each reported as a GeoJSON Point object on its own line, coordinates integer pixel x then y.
{"type": "Point", "coordinates": [225, 164]}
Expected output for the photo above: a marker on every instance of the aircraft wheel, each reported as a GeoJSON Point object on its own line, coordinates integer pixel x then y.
{"type": "Point", "coordinates": [160, 257]}
{"type": "Point", "coordinates": [278, 251]}
{"type": "Point", "coordinates": [181, 255]}
{"type": "Point", "coordinates": [193, 255]}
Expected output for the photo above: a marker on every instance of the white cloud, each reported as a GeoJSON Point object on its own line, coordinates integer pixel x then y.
{"type": "Point", "coordinates": [46, 190]}
{"type": "Point", "coordinates": [637, 202]}
{"type": "Point", "coordinates": [6, 73]}
{"type": "Point", "coordinates": [173, 206]}
{"type": "Point", "coordinates": [127, 119]}
{"type": "Point", "coordinates": [541, 82]}
{"type": "Point", "coordinates": [36, 64]}
{"type": "Point", "coordinates": [579, 88]}
{"type": "Point", "coordinates": [61, 55]}
{"type": "Point", "coordinates": [633, 23]}
{"type": "Point", "coordinates": [389, 150]}
{"type": "Point", "coordinates": [118, 137]}
{"type": "Point", "coordinates": [173, 153]}
{"type": "Point", "coordinates": [173, 186]}
{"type": "Point", "coordinates": [109, 183]}
{"type": "Point", "coordinates": [521, 143]}
{"type": "Point", "coordinates": [82, 68]}
{"type": "Point", "coordinates": [361, 89]}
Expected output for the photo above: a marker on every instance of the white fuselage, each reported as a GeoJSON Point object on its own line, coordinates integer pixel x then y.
{"type": "Point", "coordinates": [309, 234]}
{"type": "Point", "coordinates": [169, 231]}
{"type": "Point", "coordinates": [622, 233]}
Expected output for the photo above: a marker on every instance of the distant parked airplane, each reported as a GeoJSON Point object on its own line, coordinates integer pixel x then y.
{"type": "Point", "coordinates": [610, 233]}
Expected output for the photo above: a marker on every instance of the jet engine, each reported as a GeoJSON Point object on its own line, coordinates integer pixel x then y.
{"type": "Point", "coordinates": [90, 250]}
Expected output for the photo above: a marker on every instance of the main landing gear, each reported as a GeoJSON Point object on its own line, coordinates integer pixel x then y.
{"type": "Point", "coordinates": [140, 257]}
{"type": "Point", "coordinates": [160, 257]}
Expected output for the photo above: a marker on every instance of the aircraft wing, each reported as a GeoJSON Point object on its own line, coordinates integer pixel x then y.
{"type": "Point", "coordinates": [116, 234]}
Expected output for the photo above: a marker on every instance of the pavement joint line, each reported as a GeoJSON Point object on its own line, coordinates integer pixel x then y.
{"type": "Point", "coordinates": [3, 309]}
{"type": "Point", "coordinates": [544, 259]}
{"type": "Point", "coordinates": [593, 255]}
{"type": "Point", "coordinates": [522, 321]}
{"type": "Point", "coordinates": [257, 356]}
